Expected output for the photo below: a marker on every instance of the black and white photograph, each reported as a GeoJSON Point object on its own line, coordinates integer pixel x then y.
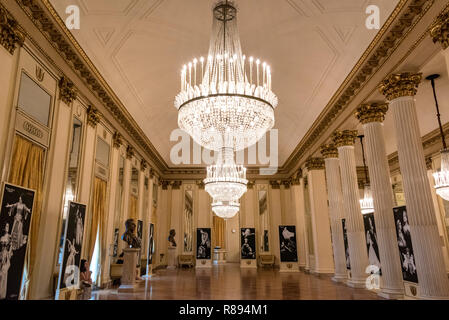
{"type": "Point", "coordinates": [248, 243]}
{"type": "Point", "coordinates": [115, 248]}
{"type": "Point", "coordinates": [73, 243]}
{"type": "Point", "coordinates": [150, 243]}
{"type": "Point", "coordinates": [287, 243]}
{"type": "Point", "coordinates": [345, 240]}
{"type": "Point", "coordinates": [371, 241]}
{"type": "Point", "coordinates": [203, 243]}
{"type": "Point", "coordinates": [408, 265]}
{"type": "Point", "coordinates": [15, 218]}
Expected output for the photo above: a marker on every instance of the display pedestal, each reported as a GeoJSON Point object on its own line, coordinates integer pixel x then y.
{"type": "Point", "coordinates": [289, 267]}
{"type": "Point", "coordinates": [202, 264]}
{"type": "Point", "coordinates": [128, 280]}
{"type": "Point", "coordinates": [248, 263]}
{"type": "Point", "coordinates": [171, 259]}
{"type": "Point", "coordinates": [219, 256]}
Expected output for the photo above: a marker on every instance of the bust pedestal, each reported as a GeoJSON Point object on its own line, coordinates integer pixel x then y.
{"type": "Point", "coordinates": [128, 281]}
{"type": "Point", "coordinates": [220, 256]}
{"type": "Point", "coordinates": [171, 263]}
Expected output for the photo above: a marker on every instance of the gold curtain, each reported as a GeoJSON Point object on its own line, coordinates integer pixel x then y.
{"type": "Point", "coordinates": [27, 170]}
{"type": "Point", "coordinates": [133, 208]}
{"type": "Point", "coordinates": [219, 232]}
{"type": "Point", "coordinates": [98, 218]}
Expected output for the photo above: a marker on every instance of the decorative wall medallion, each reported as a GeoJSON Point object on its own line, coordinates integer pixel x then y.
{"type": "Point", "coordinates": [248, 262]}
{"type": "Point", "coordinates": [203, 262]}
{"type": "Point", "coordinates": [289, 265]}
{"type": "Point", "coordinates": [40, 74]}
{"type": "Point", "coordinates": [413, 290]}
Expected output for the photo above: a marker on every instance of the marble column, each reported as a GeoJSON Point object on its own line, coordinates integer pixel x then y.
{"type": "Point", "coordinates": [400, 90]}
{"type": "Point", "coordinates": [372, 116]}
{"type": "Point", "coordinates": [344, 141]}
{"type": "Point", "coordinates": [335, 195]}
{"type": "Point", "coordinates": [321, 230]}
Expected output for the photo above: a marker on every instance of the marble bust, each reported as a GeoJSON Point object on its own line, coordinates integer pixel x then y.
{"type": "Point", "coordinates": [129, 237]}
{"type": "Point", "coordinates": [171, 238]}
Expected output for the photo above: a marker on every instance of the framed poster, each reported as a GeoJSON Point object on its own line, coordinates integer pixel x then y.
{"type": "Point", "coordinates": [115, 249]}
{"type": "Point", "coordinates": [287, 243]}
{"type": "Point", "coordinates": [73, 243]}
{"type": "Point", "coordinates": [248, 243]}
{"type": "Point", "coordinates": [408, 265]}
{"type": "Point", "coordinates": [371, 241]}
{"type": "Point", "coordinates": [15, 218]}
{"type": "Point", "coordinates": [345, 240]}
{"type": "Point", "coordinates": [150, 244]}
{"type": "Point", "coordinates": [203, 245]}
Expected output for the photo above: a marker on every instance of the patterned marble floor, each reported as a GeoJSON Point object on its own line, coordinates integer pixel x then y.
{"type": "Point", "coordinates": [229, 282]}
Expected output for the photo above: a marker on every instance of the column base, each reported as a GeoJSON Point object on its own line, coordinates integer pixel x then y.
{"type": "Point", "coordinates": [339, 278]}
{"type": "Point", "coordinates": [357, 284]}
{"type": "Point", "coordinates": [391, 295]}
{"type": "Point", "coordinates": [128, 288]}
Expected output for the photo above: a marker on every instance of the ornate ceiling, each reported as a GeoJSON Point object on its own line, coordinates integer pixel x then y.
{"type": "Point", "coordinates": [139, 46]}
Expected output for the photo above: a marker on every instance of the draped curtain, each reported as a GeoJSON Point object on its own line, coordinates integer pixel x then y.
{"type": "Point", "coordinates": [98, 220]}
{"type": "Point", "coordinates": [218, 233]}
{"type": "Point", "coordinates": [27, 170]}
{"type": "Point", "coordinates": [133, 208]}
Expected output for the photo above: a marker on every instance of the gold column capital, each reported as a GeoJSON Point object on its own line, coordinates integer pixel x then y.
{"type": "Point", "coordinates": [10, 35]}
{"type": "Point", "coordinates": [329, 151]}
{"type": "Point", "coordinates": [371, 112]}
{"type": "Point", "coordinates": [439, 30]}
{"type": "Point", "coordinates": [344, 138]}
{"type": "Point", "coordinates": [315, 163]}
{"type": "Point", "coordinates": [400, 85]}
{"type": "Point", "coordinates": [143, 165]}
{"type": "Point", "coordinates": [93, 116]}
{"type": "Point", "coordinates": [67, 90]}
{"type": "Point", "coordinates": [117, 139]}
{"type": "Point", "coordinates": [130, 152]}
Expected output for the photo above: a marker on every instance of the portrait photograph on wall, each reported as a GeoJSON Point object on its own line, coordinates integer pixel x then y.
{"type": "Point", "coordinates": [73, 243]}
{"type": "Point", "coordinates": [371, 241]}
{"type": "Point", "coordinates": [248, 243]}
{"type": "Point", "coordinates": [287, 243]}
{"type": "Point", "coordinates": [203, 243]}
{"type": "Point", "coordinates": [345, 240]}
{"type": "Point", "coordinates": [150, 243]}
{"type": "Point", "coordinates": [15, 218]}
{"type": "Point", "coordinates": [408, 265]}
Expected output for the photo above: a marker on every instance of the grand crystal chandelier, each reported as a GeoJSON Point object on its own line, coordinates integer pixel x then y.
{"type": "Point", "coordinates": [226, 104]}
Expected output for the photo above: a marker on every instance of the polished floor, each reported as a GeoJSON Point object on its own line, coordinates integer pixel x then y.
{"type": "Point", "coordinates": [229, 282]}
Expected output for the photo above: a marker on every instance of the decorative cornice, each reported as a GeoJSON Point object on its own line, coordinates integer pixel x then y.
{"type": "Point", "coordinates": [315, 163]}
{"type": "Point", "coordinates": [117, 140]}
{"type": "Point", "coordinates": [371, 112]}
{"type": "Point", "coordinates": [93, 116]}
{"type": "Point", "coordinates": [10, 35]}
{"type": "Point", "coordinates": [130, 152]}
{"type": "Point", "coordinates": [329, 151]}
{"type": "Point", "coordinates": [176, 185]}
{"type": "Point", "coordinates": [47, 20]}
{"type": "Point", "coordinates": [275, 184]}
{"type": "Point", "coordinates": [143, 165]}
{"type": "Point", "coordinates": [286, 183]}
{"type": "Point", "coordinates": [344, 138]}
{"type": "Point", "coordinates": [400, 85]}
{"type": "Point", "coordinates": [404, 18]}
{"type": "Point", "coordinates": [439, 31]}
{"type": "Point", "coordinates": [67, 90]}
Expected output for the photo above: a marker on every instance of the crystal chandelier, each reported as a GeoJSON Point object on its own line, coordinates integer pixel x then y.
{"type": "Point", "coordinates": [367, 203]}
{"type": "Point", "coordinates": [226, 104]}
{"type": "Point", "coordinates": [442, 177]}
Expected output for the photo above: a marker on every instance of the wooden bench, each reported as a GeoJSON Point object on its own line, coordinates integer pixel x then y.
{"type": "Point", "coordinates": [186, 260]}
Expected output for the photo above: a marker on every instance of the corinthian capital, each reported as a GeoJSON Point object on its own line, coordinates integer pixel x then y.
{"type": "Point", "coordinates": [400, 85]}
{"type": "Point", "coordinates": [329, 151]}
{"type": "Point", "coordinates": [371, 112]}
{"type": "Point", "coordinates": [344, 138]}
{"type": "Point", "coordinates": [439, 30]}
{"type": "Point", "coordinates": [315, 164]}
